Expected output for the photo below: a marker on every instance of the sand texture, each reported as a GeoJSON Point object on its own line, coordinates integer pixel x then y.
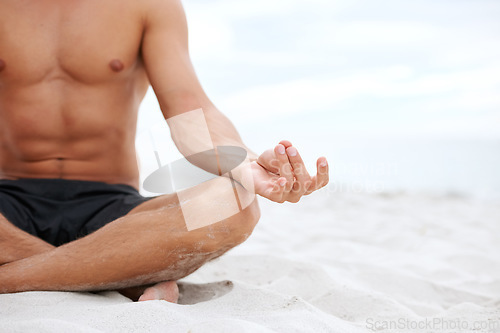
{"type": "Point", "coordinates": [333, 263]}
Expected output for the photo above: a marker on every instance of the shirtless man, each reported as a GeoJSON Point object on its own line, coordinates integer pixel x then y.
{"type": "Point", "coordinates": [72, 76]}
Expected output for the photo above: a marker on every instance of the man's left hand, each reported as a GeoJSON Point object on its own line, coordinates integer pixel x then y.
{"type": "Point", "coordinates": [280, 175]}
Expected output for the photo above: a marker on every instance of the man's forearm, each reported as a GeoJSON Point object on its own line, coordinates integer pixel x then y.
{"type": "Point", "coordinates": [203, 136]}
{"type": "Point", "coordinates": [223, 132]}
{"type": "Point", "coordinates": [203, 127]}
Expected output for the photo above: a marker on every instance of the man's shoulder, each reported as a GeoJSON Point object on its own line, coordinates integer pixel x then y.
{"type": "Point", "coordinates": [167, 15]}
{"type": "Point", "coordinates": [155, 6]}
{"type": "Point", "coordinates": [167, 9]}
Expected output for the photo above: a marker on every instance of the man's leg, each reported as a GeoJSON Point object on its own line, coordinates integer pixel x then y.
{"type": "Point", "coordinates": [16, 244]}
{"type": "Point", "coordinates": [149, 245]}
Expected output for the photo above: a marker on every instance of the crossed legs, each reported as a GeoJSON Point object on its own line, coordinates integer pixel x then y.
{"type": "Point", "coordinates": [149, 245]}
{"type": "Point", "coordinates": [16, 244]}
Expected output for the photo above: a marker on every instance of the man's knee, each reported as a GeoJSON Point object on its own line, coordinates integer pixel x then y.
{"type": "Point", "coordinates": [244, 222]}
{"type": "Point", "coordinates": [208, 215]}
{"type": "Point", "coordinates": [230, 232]}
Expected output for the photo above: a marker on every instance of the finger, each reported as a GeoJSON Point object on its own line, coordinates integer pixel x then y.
{"type": "Point", "coordinates": [322, 176]}
{"type": "Point", "coordinates": [295, 194]}
{"type": "Point", "coordinates": [278, 190]}
{"type": "Point", "coordinates": [285, 169]}
{"type": "Point", "coordinates": [271, 189]}
{"type": "Point", "coordinates": [323, 173]}
{"type": "Point", "coordinates": [286, 143]}
{"type": "Point", "coordinates": [302, 177]}
{"type": "Point", "coordinates": [267, 161]}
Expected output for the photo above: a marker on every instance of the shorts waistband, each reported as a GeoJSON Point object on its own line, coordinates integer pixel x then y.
{"type": "Point", "coordinates": [63, 188]}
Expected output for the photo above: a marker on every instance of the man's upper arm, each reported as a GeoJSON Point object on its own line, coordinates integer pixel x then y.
{"type": "Point", "coordinates": [166, 57]}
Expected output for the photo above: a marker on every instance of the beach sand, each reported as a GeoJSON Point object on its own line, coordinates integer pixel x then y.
{"type": "Point", "coordinates": [336, 262]}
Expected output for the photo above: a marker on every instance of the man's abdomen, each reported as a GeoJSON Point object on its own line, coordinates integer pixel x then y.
{"type": "Point", "coordinates": [70, 131]}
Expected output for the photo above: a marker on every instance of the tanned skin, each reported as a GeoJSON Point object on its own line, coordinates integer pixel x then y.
{"type": "Point", "coordinates": [72, 76]}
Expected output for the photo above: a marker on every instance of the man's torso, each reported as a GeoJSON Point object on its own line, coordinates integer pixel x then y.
{"type": "Point", "coordinates": [70, 87]}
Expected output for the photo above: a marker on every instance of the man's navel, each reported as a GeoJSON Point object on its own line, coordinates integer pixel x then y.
{"type": "Point", "coordinates": [2, 65]}
{"type": "Point", "coordinates": [116, 65]}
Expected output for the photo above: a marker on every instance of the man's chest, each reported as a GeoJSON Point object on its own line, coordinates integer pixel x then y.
{"type": "Point", "coordinates": [88, 41]}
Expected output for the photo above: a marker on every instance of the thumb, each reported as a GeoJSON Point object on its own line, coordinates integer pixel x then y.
{"type": "Point", "coordinates": [268, 161]}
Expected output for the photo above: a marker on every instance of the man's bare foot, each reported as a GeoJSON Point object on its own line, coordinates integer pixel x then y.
{"type": "Point", "coordinates": [166, 291]}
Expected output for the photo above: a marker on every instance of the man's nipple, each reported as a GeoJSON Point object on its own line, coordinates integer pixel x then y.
{"type": "Point", "coordinates": [2, 65]}
{"type": "Point", "coordinates": [116, 65]}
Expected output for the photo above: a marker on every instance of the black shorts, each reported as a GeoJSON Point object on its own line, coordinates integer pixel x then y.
{"type": "Point", "coordinates": [59, 211]}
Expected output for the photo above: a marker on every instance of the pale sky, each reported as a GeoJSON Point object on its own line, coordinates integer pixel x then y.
{"type": "Point", "coordinates": [420, 68]}
{"type": "Point", "coordinates": [323, 70]}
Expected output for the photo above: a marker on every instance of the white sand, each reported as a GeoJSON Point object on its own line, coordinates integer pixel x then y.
{"type": "Point", "coordinates": [330, 264]}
